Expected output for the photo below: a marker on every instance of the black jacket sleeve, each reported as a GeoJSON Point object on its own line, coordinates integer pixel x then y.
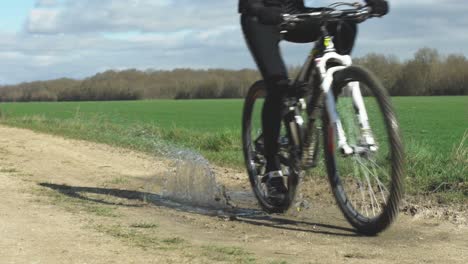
{"type": "Point", "coordinates": [253, 6]}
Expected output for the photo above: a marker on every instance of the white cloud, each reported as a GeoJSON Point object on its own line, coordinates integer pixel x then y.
{"type": "Point", "coordinates": [38, 57]}
{"type": "Point", "coordinates": [46, 3]}
{"type": "Point", "coordinates": [77, 38]}
{"type": "Point", "coordinates": [43, 20]}
{"type": "Point", "coordinates": [84, 16]}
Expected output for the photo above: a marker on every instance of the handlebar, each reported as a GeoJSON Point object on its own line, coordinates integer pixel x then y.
{"type": "Point", "coordinates": [359, 14]}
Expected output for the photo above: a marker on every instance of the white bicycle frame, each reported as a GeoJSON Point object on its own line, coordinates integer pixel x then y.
{"type": "Point", "coordinates": [353, 87]}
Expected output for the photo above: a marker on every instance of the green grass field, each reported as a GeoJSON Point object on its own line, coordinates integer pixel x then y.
{"type": "Point", "coordinates": [433, 130]}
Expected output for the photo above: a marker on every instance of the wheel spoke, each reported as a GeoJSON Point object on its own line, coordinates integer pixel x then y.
{"type": "Point", "coordinates": [376, 177]}
{"type": "Point", "coordinates": [382, 187]}
{"type": "Point", "coordinates": [361, 185]}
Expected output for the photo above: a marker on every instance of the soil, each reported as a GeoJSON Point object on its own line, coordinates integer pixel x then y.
{"type": "Point", "coordinates": [70, 201]}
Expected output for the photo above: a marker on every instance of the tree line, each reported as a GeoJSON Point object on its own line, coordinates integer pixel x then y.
{"type": "Point", "coordinates": [427, 73]}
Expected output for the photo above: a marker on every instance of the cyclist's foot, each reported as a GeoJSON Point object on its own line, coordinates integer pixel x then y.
{"type": "Point", "coordinates": [276, 190]}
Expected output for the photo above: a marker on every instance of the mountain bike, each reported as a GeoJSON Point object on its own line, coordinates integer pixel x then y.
{"type": "Point", "coordinates": [346, 104]}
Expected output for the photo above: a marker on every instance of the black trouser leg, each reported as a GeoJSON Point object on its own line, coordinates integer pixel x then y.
{"type": "Point", "coordinates": [271, 123]}
{"type": "Point", "coordinates": [263, 42]}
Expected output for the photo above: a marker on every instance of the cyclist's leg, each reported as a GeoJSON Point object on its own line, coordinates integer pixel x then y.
{"type": "Point", "coordinates": [309, 31]}
{"type": "Point", "coordinates": [345, 35]}
{"type": "Point", "coordinates": [263, 42]}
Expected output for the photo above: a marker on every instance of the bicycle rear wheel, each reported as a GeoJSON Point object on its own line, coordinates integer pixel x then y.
{"type": "Point", "coordinates": [367, 184]}
{"type": "Point", "coordinates": [252, 142]}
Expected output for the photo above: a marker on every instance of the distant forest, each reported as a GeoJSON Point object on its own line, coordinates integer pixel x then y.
{"type": "Point", "coordinates": [427, 73]}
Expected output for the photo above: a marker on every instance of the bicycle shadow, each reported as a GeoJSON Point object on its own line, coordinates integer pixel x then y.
{"type": "Point", "coordinates": [244, 215]}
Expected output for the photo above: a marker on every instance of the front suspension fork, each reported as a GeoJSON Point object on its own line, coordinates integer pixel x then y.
{"type": "Point", "coordinates": [367, 141]}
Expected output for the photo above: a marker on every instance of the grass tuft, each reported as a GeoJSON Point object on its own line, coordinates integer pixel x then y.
{"type": "Point", "coordinates": [231, 254]}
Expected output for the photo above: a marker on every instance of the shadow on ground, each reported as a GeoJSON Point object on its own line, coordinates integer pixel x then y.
{"type": "Point", "coordinates": [246, 215]}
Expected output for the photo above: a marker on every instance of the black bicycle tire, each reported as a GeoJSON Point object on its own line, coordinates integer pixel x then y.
{"type": "Point", "coordinates": [368, 226]}
{"type": "Point", "coordinates": [252, 95]}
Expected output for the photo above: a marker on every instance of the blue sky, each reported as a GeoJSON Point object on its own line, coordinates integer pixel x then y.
{"type": "Point", "coordinates": [14, 14]}
{"type": "Point", "coordinates": [47, 39]}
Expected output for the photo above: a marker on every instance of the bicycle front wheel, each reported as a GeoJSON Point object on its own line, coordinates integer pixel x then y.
{"type": "Point", "coordinates": [367, 184]}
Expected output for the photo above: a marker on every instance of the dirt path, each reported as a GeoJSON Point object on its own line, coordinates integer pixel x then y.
{"type": "Point", "coordinates": [68, 201]}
